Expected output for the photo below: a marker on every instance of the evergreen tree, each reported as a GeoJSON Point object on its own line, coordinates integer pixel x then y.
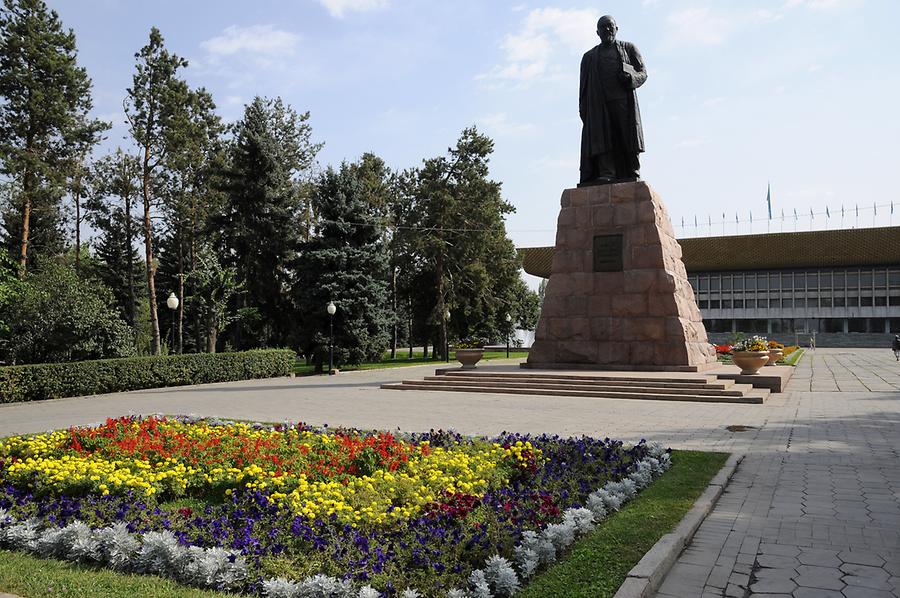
{"type": "Point", "coordinates": [154, 108]}
{"type": "Point", "coordinates": [346, 263]}
{"type": "Point", "coordinates": [467, 265]}
{"type": "Point", "coordinates": [113, 194]}
{"type": "Point", "coordinates": [260, 231]}
{"type": "Point", "coordinates": [44, 126]}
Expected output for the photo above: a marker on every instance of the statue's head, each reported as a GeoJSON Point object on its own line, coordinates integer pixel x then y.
{"type": "Point", "coordinates": [607, 29]}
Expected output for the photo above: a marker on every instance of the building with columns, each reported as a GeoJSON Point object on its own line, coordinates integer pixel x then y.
{"type": "Point", "coordinates": [838, 287]}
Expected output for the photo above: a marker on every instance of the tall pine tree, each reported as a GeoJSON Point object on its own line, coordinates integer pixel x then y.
{"type": "Point", "coordinates": [45, 130]}
{"type": "Point", "coordinates": [346, 263]}
{"type": "Point", "coordinates": [260, 225]}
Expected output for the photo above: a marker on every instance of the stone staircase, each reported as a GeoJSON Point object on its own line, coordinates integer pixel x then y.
{"type": "Point", "coordinates": [601, 385]}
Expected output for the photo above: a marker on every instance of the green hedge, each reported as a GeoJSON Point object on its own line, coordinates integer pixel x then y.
{"type": "Point", "coordinates": [56, 380]}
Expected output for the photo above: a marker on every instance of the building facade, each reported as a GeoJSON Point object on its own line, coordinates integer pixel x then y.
{"type": "Point", "coordinates": [833, 288]}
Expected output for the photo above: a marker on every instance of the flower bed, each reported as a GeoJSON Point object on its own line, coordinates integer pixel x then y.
{"type": "Point", "coordinates": [289, 510]}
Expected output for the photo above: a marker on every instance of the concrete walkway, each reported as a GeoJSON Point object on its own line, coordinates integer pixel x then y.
{"type": "Point", "coordinates": [815, 503]}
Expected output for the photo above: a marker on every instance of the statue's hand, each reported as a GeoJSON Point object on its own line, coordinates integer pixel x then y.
{"type": "Point", "coordinates": [625, 79]}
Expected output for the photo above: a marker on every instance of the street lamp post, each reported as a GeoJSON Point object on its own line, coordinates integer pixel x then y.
{"type": "Point", "coordinates": [446, 336]}
{"type": "Point", "coordinates": [331, 308]}
{"type": "Point", "coordinates": [508, 324]}
{"type": "Point", "coordinates": [172, 304]}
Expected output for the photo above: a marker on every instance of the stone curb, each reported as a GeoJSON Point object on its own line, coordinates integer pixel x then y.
{"type": "Point", "coordinates": [645, 577]}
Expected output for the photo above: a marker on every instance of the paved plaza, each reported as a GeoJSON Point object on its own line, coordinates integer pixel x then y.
{"type": "Point", "coordinates": [813, 510]}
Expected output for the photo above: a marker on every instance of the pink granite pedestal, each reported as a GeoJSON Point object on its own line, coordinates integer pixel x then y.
{"type": "Point", "coordinates": [640, 314]}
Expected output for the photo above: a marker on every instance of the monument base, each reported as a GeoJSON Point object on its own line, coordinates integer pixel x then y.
{"type": "Point", "coordinates": [618, 294]}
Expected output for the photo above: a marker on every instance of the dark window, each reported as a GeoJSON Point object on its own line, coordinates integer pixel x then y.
{"type": "Point", "coordinates": [726, 303]}
{"type": "Point", "coordinates": [839, 279]}
{"type": "Point", "coordinates": [800, 325]}
{"type": "Point", "coordinates": [750, 303]}
{"type": "Point", "coordinates": [762, 303]}
{"type": "Point", "coordinates": [750, 282]}
{"type": "Point", "coordinates": [852, 301]}
{"type": "Point", "coordinates": [774, 282]}
{"type": "Point", "coordinates": [825, 301]}
{"type": "Point", "coordinates": [831, 325]}
{"type": "Point", "coordinates": [726, 283]}
{"type": "Point", "coordinates": [853, 280]}
{"type": "Point", "coordinates": [739, 303]}
{"type": "Point", "coordinates": [751, 326]}
{"type": "Point", "coordinates": [895, 300]}
{"type": "Point", "coordinates": [812, 302]}
{"type": "Point", "coordinates": [880, 279]}
{"type": "Point", "coordinates": [714, 304]}
{"type": "Point", "coordinates": [763, 282]}
{"type": "Point", "coordinates": [704, 304]}
{"type": "Point", "coordinates": [812, 281]}
{"type": "Point", "coordinates": [781, 326]}
{"type": "Point", "coordinates": [824, 280]}
{"type": "Point", "coordinates": [717, 325]}
{"type": "Point", "coordinates": [865, 301]}
{"type": "Point", "coordinates": [894, 324]}
{"type": "Point", "coordinates": [880, 301]}
{"type": "Point", "coordinates": [714, 283]}
{"type": "Point", "coordinates": [704, 283]}
{"type": "Point", "coordinates": [857, 324]}
{"type": "Point", "coordinates": [738, 282]}
{"type": "Point", "coordinates": [787, 302]}
{"type": "Point", "coordinates": [894, 278]}
{"type": "Point", "coordinates": [839, 301]}
{"type": "Point", "coordinates": [865, 280]}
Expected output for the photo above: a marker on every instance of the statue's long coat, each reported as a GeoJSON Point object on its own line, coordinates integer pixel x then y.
{"type": "Point", "coordinates": [591, 105]}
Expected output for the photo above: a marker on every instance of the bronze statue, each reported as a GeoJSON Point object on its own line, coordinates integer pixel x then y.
{"type": "Point", "coordinates": [611, 135]}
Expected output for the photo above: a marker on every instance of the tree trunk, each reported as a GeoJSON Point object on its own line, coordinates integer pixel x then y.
{"type": "Point", "coordinates": [148, 247]}
{"type": "Point", "coordinates": [441, 307]}
{"type": "Point", "coordinates": [212, 332]}
{"type": "Point", "coordinates": [394, 319]}
{"type": "Point", "coordinates": [129, 239]}
{"type": "Point", "coordinates": [26, 223]}
{"type": "Point", "coordinates": [409, 333]}
{"type": "Point", "coordinates": [180, 327]}
{"type": "Point", "coordinates": [76, 195]}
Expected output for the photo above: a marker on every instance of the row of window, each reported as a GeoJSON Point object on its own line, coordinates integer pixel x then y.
{"type": "Point", "coordinates": [849, 279]}
{"type": "Point", "coordinates": [892, 300]}
{"type": "Point", "coordinates": [803, 325]}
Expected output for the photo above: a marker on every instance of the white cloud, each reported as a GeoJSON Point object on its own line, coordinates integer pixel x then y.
{"type": "Point", "coordinates": [691, 143]}
{"type": "Point", "coordinates": [699, 26]}
{"type": "Point", "coordinates": [712, 102]}
{"type": "Point", "coordinates": [339, 8]}
{"type": "Point", "coordinates": [819, 4]}
{"type": "Point", "coordinates": [500, 124]}
{"type": "Point", "coordinates": [545, 34]}
{"type": "Point", "coordinates": [262, 40]}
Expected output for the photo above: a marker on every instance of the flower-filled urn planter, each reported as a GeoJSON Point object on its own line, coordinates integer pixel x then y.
{"type": "Point", "coordinates": [469, 357]}
{"type": "Point", "coordinates": [750, 354]}
{"type": "Point", "coordinates": [775, 355]}
{"type": "Point", "coordinates": [750, 362]}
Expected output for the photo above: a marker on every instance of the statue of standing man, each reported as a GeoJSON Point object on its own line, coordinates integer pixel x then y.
{"type": "Point", "coordinates": [611, 136]}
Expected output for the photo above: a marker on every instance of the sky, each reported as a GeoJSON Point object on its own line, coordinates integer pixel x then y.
{"type": "Point", "coordinates": [802, 95]}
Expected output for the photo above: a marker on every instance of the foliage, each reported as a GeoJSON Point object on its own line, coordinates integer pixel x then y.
{"type": "Point", "coordinates": [214, 287]}
{"type": "Point", "coordinates": [754, 343]}
{"type": "Point", "coordinates": [59, 316]}
{"type": "Point", "coordinates": [56, 380]}
{"type": "Point", "coordinates": [258, 226]}
{"type": "Point", "coordinates": [10, 287]}
{"type": "Point", "coordinates": [469, 343]}
{"type": "Point", "coordinates": [349, 264]}
{"type": "Point", "coordinates": [114, 187]}
{"type": "Point", "coordinates": [44, 125]}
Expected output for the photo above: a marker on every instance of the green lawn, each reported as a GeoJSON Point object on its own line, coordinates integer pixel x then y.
{"type": "Point", "coordinates": [599, 562]}
{"type": "Point", "coordinates": [403, 359]}
{"type": "Point", "coordinates": [596, 566]}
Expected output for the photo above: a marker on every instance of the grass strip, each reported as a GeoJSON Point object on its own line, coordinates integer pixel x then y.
{"type": "Point", "coordinates": [794, 357]}
{"type": "Point", "coordinates": [26, 575]}
{"type": "Point", "coordinates": [599, 562]}
{"type": "Point", "coordinates": [301, 369]}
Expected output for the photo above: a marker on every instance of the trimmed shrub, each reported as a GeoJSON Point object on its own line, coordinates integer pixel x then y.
{"type": "Point", "coordinates": [56, 380]}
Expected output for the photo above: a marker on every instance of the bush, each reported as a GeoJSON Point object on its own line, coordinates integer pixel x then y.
{"type": "Point", "coordinates": [56, 380]}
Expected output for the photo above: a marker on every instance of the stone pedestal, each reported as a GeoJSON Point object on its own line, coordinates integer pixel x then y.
{"type": "Point", "coordinates": [618, 295]}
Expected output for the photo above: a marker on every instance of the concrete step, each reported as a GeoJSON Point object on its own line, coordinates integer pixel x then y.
{"type": "Point", "coordinates": [756, 396]}
{"type": "Point", "coordinates": [587, 381]}
{"type": "Point", "coordinates": [619, 377]}
{"type": "Point", "coordinates": [735, 390]}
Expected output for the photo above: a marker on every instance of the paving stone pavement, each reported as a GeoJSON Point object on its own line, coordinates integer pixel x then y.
{"type": "Point", "coordinates": [814, 509]}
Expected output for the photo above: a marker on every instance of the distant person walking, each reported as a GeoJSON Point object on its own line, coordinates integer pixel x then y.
{"type": "Point", "coordinates": [895, 346]}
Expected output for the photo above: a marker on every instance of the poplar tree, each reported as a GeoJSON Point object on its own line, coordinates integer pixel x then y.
{"type": "Point", "coordinates": [45, 130]}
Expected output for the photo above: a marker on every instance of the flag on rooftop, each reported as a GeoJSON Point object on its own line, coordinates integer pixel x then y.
{"type": "Point", "coordinates": [769, 199]}
{"type": "Point", "coordinates": [827, 212]}
{"type": "Point", "coordinates": [874, 207]}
